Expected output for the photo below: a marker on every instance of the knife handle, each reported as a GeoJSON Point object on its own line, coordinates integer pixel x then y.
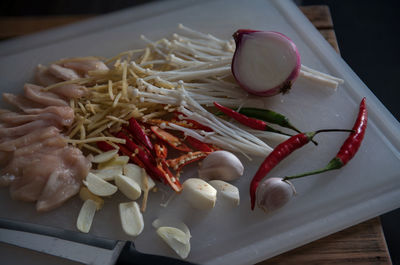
{"type": "Point", "coordinates": [130, 256]}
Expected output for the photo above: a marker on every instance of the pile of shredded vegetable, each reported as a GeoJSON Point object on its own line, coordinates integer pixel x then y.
{"type": "Point", "coordinates": [186, 73]}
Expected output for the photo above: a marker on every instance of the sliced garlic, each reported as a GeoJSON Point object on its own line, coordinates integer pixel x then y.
{"type": "Point", "coordinates": [131, 218]}
{"type": "Point", "coordinates": [85, 194]}
{"type": "Point", "coordinates": [116, 161]}
{"type": "Point", "coordinates": [86, 215]}
{"type": "Point", "coordinates": [226, 190]}
{"type": "Point", "coordinates": [99, 186]}
{"type": "Point", "coordinates": [174, 238]}
{"type": "Point", "coordinates": [136, 173]}
{"type": "Point", "coordinates": [104, 157]}
{"type": "Point", "coordinates": [199, 193]}
{"type": "Point", "coordinates": [128, 187]}
{"type": "Point", "coordinates": [108, 173]}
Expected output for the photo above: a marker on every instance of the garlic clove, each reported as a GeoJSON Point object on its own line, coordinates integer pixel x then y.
{"type": "Point", "coordinates": [86, 215]}
{"type": "Point", "coordinates": [199, 193]}
{"type": "Point", "coordinates": [172, 222]}
{"type": "Point", "coordinates": [99, 186]}
{"type": "Point", "coordinates": [131, 218]}
{"type": "Point", "coordinates": [85, 194]}
{"type": "Point", "coordinates": [173, 237]}
{"type": "Point", "coordinates": [221, 165]}
{"type": "Point", "coordinates": [109, 173]}
{"type": "Point", "coordinates": [226, 190]}
{"type": "Point", "coordinates": [104, 157]}
{"type": "Point", "coordinates": [116, 161]}
{"type": "Point", "coordinates": [136, 173]}
{"type": "Point", "coordinates": [128, 187]}
{"type": "Point", "coordinates": [274, 193]}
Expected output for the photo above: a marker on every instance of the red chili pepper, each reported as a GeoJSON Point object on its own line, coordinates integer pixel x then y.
{"type": "Point", "coordinates": [247, 121]}
{"type": "Point", "coordinates": [178, 163]}
{"type": "Point", "coordinates": [277, 155]}
{"type": "Point", "coordinates": [169, 139]}
{"type": "Point", "coordinates": [281, 152]}
{"type": "Point", "coordinates": [160, 150]}
{"type": "Point", "coordinates": [198, 145]}
{"type": "Point", "coordinates": [142, 155]}
{"type": "Point", "coordinates": [138, 133]}
{"type": "Point", "coordinates": [104, 146]}
{"type": "Point", "coordinates": [349, 147]}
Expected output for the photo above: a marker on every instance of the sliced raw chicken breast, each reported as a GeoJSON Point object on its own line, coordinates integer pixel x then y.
{"type": "Point", "coordinates": [44, 78]}
{"type": "Point", "coordinates": [62, 72]}
{"type": "Point", "coordinates": [84, 65]}
{"type": "Point", "coordinates": [70, 91]}
{"type": "Point", "coordinates": [32, 137]}
{"type": "Point", "coordinates": [35, 93]}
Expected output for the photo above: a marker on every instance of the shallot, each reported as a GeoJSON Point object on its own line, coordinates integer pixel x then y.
{"type": "Point", "coordinates": [267, 63]}
{"type": "Point", "coordinates": [273, 193]}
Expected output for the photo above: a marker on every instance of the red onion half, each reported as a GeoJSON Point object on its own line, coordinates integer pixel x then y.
{"type": "Point", "coordinates": [265, 63]}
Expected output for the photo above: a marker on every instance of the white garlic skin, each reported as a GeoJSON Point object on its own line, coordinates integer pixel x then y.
{"type": "Point", "coordinates": [274, 193]}
{"type": "Point", "coordinates": [221, 165]}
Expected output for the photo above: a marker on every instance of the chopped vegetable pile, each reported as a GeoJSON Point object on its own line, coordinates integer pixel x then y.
{"type": "Point", "coordinates": [127, 123]}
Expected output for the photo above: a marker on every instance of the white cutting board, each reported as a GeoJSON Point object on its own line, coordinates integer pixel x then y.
{"type": "Point", "coordinates": [368, 186]}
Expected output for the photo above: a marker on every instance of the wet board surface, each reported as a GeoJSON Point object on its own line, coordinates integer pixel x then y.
{"type": "Point", "coordinates": [365, 188]}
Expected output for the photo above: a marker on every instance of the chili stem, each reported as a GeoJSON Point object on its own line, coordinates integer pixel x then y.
{"type": "Point", "coordinates": [332, 165]}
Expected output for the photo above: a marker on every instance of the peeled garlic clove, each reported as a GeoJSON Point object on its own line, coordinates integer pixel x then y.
{"type": "Point", "coordinates": [109, 173]}
{"type": "Point", "coordinates": [99, 186]}
{"type": "Point", "coordinates": [85, 194]}
{"type": "Point", "coordinates": [128, 187]}
{"type": "Point", "coordinates": [86, 215]}
{"type": "Point", "coordinates": [171, 222]}
{"type": "Point", "coordinates": [199, 193]}
{"type": "Point", "coordinates": [136, 173]}
{"type": "Point", "coordinates": [117, 161]}
{"type": "Point", "coordinates": [226, 190]}
{"type": "Point", "coordinates": [221, 165]}
{"type": "Point", "coordinates": [173, 237]}
{"type": "Point", "coordinates": [104, 157]}
{"type": "Point", "coordinates": [131, 218]}
{"type": "Point", "coordinates": [273, 193]}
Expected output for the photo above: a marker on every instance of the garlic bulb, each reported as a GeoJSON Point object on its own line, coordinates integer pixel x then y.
{"type": "Point", "coordinates": [273, 193]}
{"type": "Point", "coordinates": [221, 165]}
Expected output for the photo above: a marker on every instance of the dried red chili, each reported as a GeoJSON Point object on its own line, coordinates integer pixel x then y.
{"type": "Point", "coordinates": [349, 147]}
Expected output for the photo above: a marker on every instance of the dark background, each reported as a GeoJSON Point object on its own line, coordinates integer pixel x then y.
{"type": "Point", "coordinates": [368, 34]}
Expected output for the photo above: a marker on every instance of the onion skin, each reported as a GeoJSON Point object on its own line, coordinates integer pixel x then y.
{"type": "Point", "coordinates": [239, 36]}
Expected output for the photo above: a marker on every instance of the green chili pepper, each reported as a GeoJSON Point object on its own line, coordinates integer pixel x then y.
{"type": "Point", "coordinates": [269, 116]}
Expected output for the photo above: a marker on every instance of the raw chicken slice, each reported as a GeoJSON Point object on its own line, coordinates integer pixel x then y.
{"type": "Point", "coordinates": [70, 91]}
{"type": "Point", "coordinates": [55, 142]}
{"type": "Point", "coordinates": [21, 102]}
{"type": "Point", "coordinates": [32, 137]}
{"type": "Point", "coordinates": [62, 72]}
{"type": "Point", "coordinates": [44, 78]}
{"type": "Point", "coordinates": [84, 65]}
{"type": "Point", "coordinates": [34, 93]}
{"type": "Point", "coordinates": [32, 176]}
{"type": "Point", "coordinates": [65, 181]}
{"type": "Point", "coordinates": [9, 118]}
{"type": "Point", "coordinates": [24, 129]}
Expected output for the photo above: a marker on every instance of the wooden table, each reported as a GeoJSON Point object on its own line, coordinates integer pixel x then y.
{"type": "Point", "coordinates": [362, 244]}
